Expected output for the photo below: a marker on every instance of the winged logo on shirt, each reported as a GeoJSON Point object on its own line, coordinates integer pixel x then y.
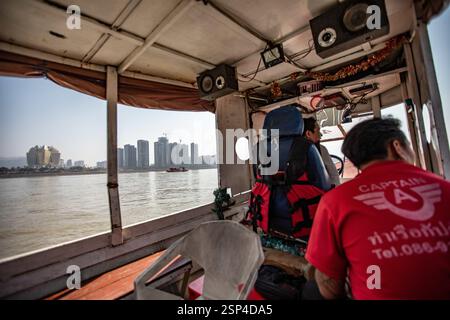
{"type": "Point", "coordinates": [430, 194]}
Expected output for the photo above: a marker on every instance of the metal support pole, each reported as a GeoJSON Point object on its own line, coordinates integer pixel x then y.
{"type": "Point", "coordinates": [113, 181]}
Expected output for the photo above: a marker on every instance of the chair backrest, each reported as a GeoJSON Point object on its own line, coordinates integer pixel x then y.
{"type": "Point", "coordinates": [289, 121]}
{"type": "Point", "coordinates": [229, 253]}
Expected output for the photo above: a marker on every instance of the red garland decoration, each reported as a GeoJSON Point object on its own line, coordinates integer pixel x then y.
{"type": "Point", "coordinates": [275, 89]}
{"type": "Point", "coordinates": [371, 61]}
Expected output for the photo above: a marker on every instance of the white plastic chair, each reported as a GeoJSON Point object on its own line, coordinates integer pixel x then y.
{"type": "Point", "coordinates": [229, 254]}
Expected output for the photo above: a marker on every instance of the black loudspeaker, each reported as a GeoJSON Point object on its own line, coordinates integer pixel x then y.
{"type": "Point", "coordinates": [217, 82]}
{"type": "Point", "coordinates": [347, 26]}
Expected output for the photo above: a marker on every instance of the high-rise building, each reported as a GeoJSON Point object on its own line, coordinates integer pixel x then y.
{"type": "Point", "coordinates": [102, 164]}
{"type": "Point", "coordinates": [143, 154]}
{"type": "Point", "coordinates": [129, 156]}
{"type": "Point", "coordinates": [44, 156]}
{"type": "Point", "coordinates": [120, 158]}
{"type": "Point", "coordinates": [69, 163]}
{"type": "Point", "coordinates": [162, 152]}
{"type": "Point", "coordinates": [61, 163]}
{"type": "Point", "coordinates": [209, 160]}
{"type": "Point", "coordinates": [194, 154]}
{"type": "Point", "coordinates": [79, 163]}
{"type": "Point", "coordinates": [32, 157]}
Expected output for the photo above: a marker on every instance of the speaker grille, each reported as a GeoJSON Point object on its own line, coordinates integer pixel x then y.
{"type": "Point", "coordinates": [355, 17]}
{"type": "Point", "coordinates": [206, 84]}
{"type": "Point", "coordinates": [217, 82]}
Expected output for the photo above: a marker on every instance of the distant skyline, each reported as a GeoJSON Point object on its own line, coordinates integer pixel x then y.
{"type": "Point", "coordinates": [37, 112]}
{"type": "Point", "coordinates": [22, 160]}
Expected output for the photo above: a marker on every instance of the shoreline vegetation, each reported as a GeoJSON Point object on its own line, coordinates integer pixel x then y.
{"type": "Point", "coordinates": [27, 172]}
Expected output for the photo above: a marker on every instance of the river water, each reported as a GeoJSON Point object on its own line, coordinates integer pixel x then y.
{"type": "Point", "coordinates": [38, 212]}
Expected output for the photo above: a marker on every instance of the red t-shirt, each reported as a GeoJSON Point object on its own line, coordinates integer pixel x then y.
{"type": "Point", "coordinates": [388, 229]}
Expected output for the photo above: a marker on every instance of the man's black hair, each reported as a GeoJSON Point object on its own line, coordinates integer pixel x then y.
{"type": "Point", "coordinates": [309, 125]}
{"type": "Point", "coordinates": [369, 140]}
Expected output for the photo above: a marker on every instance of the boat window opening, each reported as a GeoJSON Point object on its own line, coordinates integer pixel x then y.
{"type": "Point", "coordinates": [398, 111]}
{"type": "Point", "coordinates": [58, 194]}
{"type": "Point", "coordinates": [332, 139]}
{"type": "Point", "coordinates": [427, 122]}
{"type": "Point", "coordinates": [334, 149]}
{"type": "Point", "coordinates": [166, 162]}
{"type": "Point", "coordinates": [332, 136]}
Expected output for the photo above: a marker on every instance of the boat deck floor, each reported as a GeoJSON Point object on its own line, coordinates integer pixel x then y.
{"type": "Point", "coordinates": [119, 283]}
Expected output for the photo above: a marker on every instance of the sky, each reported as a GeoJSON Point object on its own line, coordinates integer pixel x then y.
{"type": "Point", "coordinates": [37, 112]}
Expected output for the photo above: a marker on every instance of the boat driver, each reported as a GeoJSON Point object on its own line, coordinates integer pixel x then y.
{"type": "Point", "coordinates": [312, 134]}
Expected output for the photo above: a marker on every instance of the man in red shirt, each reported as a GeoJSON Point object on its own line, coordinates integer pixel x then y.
{"type": "Point", "coordinates": [388, 229]}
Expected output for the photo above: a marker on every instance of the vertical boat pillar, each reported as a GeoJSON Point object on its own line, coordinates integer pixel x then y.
{"type": "Point", "coordinates": [113, 181]}
{"type": "Point", "coordinates": [431, 99]}
{"type": "Point", "coordinates": [424, 91]}
{"type": "Point", "coordinates": [411, 119]}
{"type": "Point", "coordinates": [414, 96]}
{"type": "Point", "coordinates": [376, 106]}
{"type": "Point", "coordinates": [232, 112]}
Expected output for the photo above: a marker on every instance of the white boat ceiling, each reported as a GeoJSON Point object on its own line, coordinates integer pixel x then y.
{"type": "Point", "coordinates": [176, 40]}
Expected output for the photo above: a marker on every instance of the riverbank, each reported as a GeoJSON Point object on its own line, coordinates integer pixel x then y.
{"type": "Point", "coordinates": [76, 173]}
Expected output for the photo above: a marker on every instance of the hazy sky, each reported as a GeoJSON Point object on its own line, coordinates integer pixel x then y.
{"type": "Point", "coordinates": [37, 112]}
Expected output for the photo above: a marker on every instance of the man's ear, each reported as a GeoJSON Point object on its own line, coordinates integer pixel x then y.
{"type": "Point", "coordinates": [308, 134]}
{"type": "Point", "coordinates": [401, 151]}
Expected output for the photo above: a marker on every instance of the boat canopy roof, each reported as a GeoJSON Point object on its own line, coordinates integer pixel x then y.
{"type": "Point", "coordinates": [160, 46]}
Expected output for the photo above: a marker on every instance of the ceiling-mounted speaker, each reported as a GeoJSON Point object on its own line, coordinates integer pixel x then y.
{"type": "Point", "coordinates": [217, 82]}
{"type": "Point", "coordinates": [349, 24]}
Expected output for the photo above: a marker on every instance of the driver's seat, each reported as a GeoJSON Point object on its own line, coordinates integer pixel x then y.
{"type": "Point", "coordinates": [289, 121]}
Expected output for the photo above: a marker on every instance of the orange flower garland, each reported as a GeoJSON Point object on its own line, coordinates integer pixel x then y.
{"type": "Point", "coordinates": [353, 69]}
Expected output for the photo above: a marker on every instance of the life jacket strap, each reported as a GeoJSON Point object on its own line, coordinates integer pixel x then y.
{"type": "Point", "coordinates": [303, 183]}
{"type": "Point", "coordinates": [255, 210]}
{"type": "Point", "coordinates": [282, 181]}
{"type": "Point", "coordinates": [304, 204]}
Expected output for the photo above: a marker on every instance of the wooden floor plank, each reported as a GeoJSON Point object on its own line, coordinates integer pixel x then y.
{"type": "Point", "coordinates": [111, 285]}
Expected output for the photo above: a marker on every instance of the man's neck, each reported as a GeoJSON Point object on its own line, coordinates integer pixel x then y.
{"type": "Point", "coordinates": [368, 164]}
